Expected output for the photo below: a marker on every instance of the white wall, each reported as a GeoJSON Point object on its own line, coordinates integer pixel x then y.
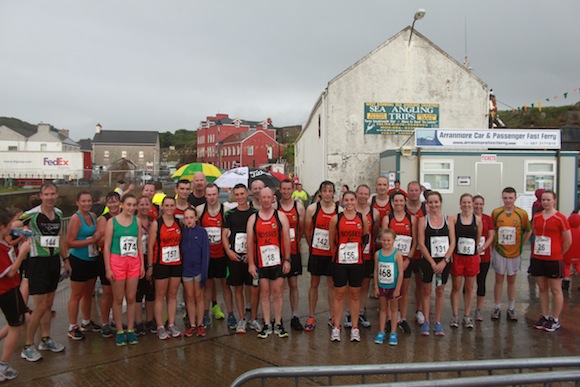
{"type": "Point", "coordinates": [310, 156]}
{"type": "Point", "coordinates": [394, 72]}
{"type": "Point", "coordinates": [52, 165]}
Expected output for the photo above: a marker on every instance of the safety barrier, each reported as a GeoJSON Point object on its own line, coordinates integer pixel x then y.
{"type": "Point", "coordinates": [422, 374]}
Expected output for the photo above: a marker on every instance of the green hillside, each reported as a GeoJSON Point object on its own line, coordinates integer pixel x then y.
{"type": "Point", "coordinates": [549, 117]}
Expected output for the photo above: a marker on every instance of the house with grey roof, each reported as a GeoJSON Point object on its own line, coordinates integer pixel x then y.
{"type": "Point", "coordinates": [38, 152]}
{"type": "Point", "coordinates": [140, 148]}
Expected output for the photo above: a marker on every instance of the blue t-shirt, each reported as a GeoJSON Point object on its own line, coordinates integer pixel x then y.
{"type": "Point", "coordinates": [388, 272]}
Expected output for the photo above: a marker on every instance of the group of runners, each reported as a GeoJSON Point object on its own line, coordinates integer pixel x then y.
{"type": "Point", "coordinates": [143, 251]}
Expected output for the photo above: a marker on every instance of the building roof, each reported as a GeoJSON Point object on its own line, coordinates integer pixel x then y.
{"type": "Point", "coordinates": [86, 144]}
{"type": "Point", "coordinates": [128, 137]}
{"type": "Point", "coordinates": [240, 137]}
{"type": "Point", "coordinates": [230, 121]}
{"type": "Point", "coordinates": [27, 130]}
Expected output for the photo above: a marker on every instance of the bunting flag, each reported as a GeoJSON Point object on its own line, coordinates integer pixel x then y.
{"type": "Point", "coordinates": [555, 97]}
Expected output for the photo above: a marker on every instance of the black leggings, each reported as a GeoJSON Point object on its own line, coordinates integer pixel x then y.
{"type": "Point", "coordinates": [483, 269]}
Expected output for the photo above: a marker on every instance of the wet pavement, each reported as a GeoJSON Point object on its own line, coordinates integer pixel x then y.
{"type": "Point", "coordinates": [221, 356]}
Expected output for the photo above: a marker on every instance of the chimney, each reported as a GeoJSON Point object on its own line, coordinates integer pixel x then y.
{"type": "Point", "coordinates": [98, 128]}
{"type": "Point", "coordinates": [43, 128]}
{"type": "Point", "coordinates": [64, 132]}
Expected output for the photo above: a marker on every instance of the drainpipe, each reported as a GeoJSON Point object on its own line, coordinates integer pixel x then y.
{"type": "Point", "coordinates": [419, 165]}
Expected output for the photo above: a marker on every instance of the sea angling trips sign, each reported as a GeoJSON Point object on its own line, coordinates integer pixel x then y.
{"type": "Point", "coordinates": [488, 138]}
{"type": "Point", "coordinates": [399, 118]}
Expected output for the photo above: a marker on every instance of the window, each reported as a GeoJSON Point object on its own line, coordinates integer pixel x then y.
{"type": "Point", "coordinates": [12, 148]}
{"type": "Point", "coordinates": [43, 147]}
{"type": "Point", "coordinates": [438, 173]}
{"type": "Point", "coordinates": [250, 150]}
{"type": "Point", "coordinates": [540, 174]}
{"type": "Point", "coordinates": [123, 154]}
{"type": "Point", "coordinates": [238, 151]}
{"type": "Point", "coordinates": [106, 154]}
{"type": "Point", "coordinates": [141, 154]}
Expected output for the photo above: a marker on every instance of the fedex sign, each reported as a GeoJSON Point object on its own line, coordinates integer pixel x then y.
{"type": "Point", "coordinates": [59, 162]}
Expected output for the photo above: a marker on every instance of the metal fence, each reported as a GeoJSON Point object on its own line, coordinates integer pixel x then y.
{"type": "Point", "coordinates": [479, 373]}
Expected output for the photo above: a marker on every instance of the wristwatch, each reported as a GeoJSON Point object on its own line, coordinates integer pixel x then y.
{"type": "Point", "coordinates": [288, 260]}
{"type": "Point", "coordinates": [447, 260]}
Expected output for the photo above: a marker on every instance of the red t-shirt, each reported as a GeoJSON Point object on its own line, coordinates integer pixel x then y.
{"type": "Point", "coordinates": [349, 239]}
{"type": "Point", "coordinates": [548, 241]}
{"type": "Point", "coordinates": [369, 250]}
{"type": "Point", "coordinates": [320, 244]}
{"type": "Point", "coordinates": [166, 250]}
{"type": "Point", "coordinates": [213, 225]}
{"type": "Point", "coordinates": [487, 223]}
{"type": "Point", "coordinates": [293, 219]}
{"type": "Point", "coordinates": [419, 214]}
{"type": "Point", "coordinates": [404, 231]}
{"type": "Point", "coordinates": [7, 257]}
{"type": "Point", "coordinates": [269, 244]}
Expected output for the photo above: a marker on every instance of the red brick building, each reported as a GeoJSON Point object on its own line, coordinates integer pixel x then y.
{"type": "Point", "coordinates": [229, 143]}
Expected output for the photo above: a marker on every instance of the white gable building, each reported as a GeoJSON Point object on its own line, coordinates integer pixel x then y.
{"type": "Point", "coordinates": [375, 104]}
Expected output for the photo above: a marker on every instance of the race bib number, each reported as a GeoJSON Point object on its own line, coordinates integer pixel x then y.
{"type": "Point", "coordinates": [292, 235]}
{"type": "Point", "coordinates": [49, 241]}
{"type": "Point", "coordinates": [403, 244]}
{"type": "Point", "coordinates": [367, 249]}
{"type": "Point", "coordinates": [214, 234]}
{"type": "Point", "coordinates": [321, 239]}
{"type": "Point", "coordinates": [506, 236]}
{"type": "Point", "coordinates": [348, 253]}
{"type": "Point", "coordinates": [466, 246]}
{"type": "Point", "coordinates": [270, 255]}
{"type": "Point", "coordinates": [170, 254]}
{"type": "Point", "coordinates": [241, 243]}
{"type": "Point", "coordinates": [144, 243]}
{"type": "Point", "coordinates": [128, 246]}
{"type": "Point", "coordinates": [12, 254]}
{"type": "Point", "coordinates": [386, 273]}
{"type": "Point", "coordinates": [93, 251]}
{"type": "Point", "coordinates": [481, 244]}
{"type": "Point", "coordinates": [543, 246]}
{"type": "Point", "coordinates": [439, 246]}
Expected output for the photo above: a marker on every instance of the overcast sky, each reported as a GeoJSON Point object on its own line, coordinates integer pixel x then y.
{"type": "Point", "coordinates": [166, 65]}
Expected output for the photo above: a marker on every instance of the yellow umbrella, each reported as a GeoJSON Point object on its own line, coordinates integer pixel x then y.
{"type": "Point", "coordinates": [187, 171]}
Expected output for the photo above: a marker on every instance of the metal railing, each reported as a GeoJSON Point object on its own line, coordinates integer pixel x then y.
{"type": "Point", "coordinates": [423, 373]}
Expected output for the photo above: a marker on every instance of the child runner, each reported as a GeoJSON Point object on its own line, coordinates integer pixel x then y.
{"type": "Point", "coordinates": [388, 281]}
{"type": "Point", "coordinates": [195, 258]}
{"type": "Point", "coordinates": [11, 301]}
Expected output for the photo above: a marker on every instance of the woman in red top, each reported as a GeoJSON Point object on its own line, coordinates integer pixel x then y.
{"type": "Point", "coordinates": [553, 238]}
{"type": "Point", "coordinates": [349, 232]}
{"type": "Point", "coordinates": [487, 235]}
{"type": "Point", "coordinates": [164, 264]}
{"type": "Point", "coordinates": [405, 226]}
